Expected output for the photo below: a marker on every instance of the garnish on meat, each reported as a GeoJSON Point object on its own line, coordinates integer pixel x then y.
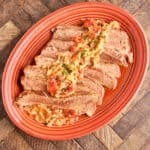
{"type": "Point", "coordinates": [73, 70]}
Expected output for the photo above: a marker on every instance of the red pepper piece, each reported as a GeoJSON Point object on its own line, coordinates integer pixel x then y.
{"type": "Point", "coordinates": [73, 48]}
{"type": "Point", "coordinates": [78, 39]}
{"type": "Point", "coordinates": [52, 86]}
{"type": "Point", "coordinates": [87, 23]}
{"type": "Point", "coordinates": [70, 88]}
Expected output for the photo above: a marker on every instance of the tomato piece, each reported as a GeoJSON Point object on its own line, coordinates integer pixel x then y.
{"type": "Point", "coordinates": [72, 112]}
{"type": "Point", "coordinates": [74, 57]}
{"type": "Point", "coordinates": [52, 90]}
{"type": "Point", "coordinates": [91, 35]}
{"type": "Point", "coordinates": [78, 39]}
{"type": "Point", "coordinates": [69, 113]}
{"type": "Point", "coordinates": [52, 85]}
{"type": "Point", "coordinates": [96, 29]}
{"type": "Point", "coordinates": [87, 23]}
{"type": "Point", "coordinates": [70, 88]}
{"type": "Point", "coordinates": [73, 48]}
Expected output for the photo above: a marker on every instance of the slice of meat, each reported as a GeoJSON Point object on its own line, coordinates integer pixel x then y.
{"type": "Point", "coordinates": [113, 56]}
{"type": "Point", "coordinates": [49, 51]}
{"type": "Point", "coordinates": [102, 78]}
{"type": "Point", "coordinates": [91, 86]}
{"type": "Point", "coordinates": [79, 101]}
{"type": "Point", "coordinates": [40, 84]}
{"type": "Point", "coordinates": [117, 48]}
{"type": "Point", "coordinates": [75, 27]}
{"type": "Point", "coordinates": [59, 44]}
{"type": "Point", "coordinates": [110, 68]}
{"type": "Point", "coordinates": [67, 32]}
{"type": "Point", "coordinates": [35, 71]}
{"type": "Point", "coordinates": [42, 61]}
{"type": "Point", "coordinates": [87, 108]}
{"type": "Point", "coordinates": [117, 39]}
{"type": "Point", "coordinates": [34, 83]}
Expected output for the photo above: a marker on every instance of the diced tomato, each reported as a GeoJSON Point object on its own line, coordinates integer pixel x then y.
{"type": "Point", "coordinates": [91, 35]}
{"type": "Point", "coordinates": [52, 90]}
{"type": "Point", "coordinates": [87, 23]}
{"type": "Point", "coordinates": [78, 39]}
{"type": "Point", "coordinates": [74, 57]}
{"type": "Point", "coordinates": [69, 113]}
{"type": "Point", "coordinates": [96, 29]}
{"type": "Point", "coordinates": [70, 88]}
{"type": "Point", "coordinates": [52, 85]}
{"type": "Point", "coordinates": [72, 112]}
{"type": "Point", "coordinates": [79, 70]}
{"type": "Point", "coordinates": [73, 48]}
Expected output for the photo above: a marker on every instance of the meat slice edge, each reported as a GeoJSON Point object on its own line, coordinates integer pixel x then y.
{"type": "Point", "coordinates": [102, 78]}
{"type": "Point", "coordinates": [78, 101]}
{"type": "Point", "coordinates": [67, 32]}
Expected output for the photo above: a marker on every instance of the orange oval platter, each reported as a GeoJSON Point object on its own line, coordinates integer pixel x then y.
{"type": "Point", "coordinates": [38, 35]}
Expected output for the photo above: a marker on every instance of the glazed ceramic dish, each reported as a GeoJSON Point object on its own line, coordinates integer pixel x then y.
{"type": "Point", "coordinates": [114, 101]}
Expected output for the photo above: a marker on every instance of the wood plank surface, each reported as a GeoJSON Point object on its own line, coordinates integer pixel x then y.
{"type": "Point", "coordinates": [15, 141]}
{"type": "Point", "coordinates": [109, 137]}
{"type": "Point", "coordinates": [7, 33]}
{"type": "Point", "coordinates": [130, 130]}
{"type": "Point", "coordinates": [90, 141]}
{"type": "Point", "coordinates": [5, 128]}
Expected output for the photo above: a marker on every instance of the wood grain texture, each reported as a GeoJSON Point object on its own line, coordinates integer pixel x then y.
{"type": "Point", "coordinates": [143, 16]}
{"type": "Point", "coordinates": [144, 108]}
{"type": "Point", "coordinates": [2, 111]}
{"type": "Point", "coordinates": [25, 20]}
{"type": "Point", "coordinates": [15, 141]}
{"type": "Point", "coordinates": [132, 6]}
{"type": "Point", "coordinates": [134, 117]}
{"type": "Point", "coordinates": [3, 146]}
{"type": "Point", "coordinates": [7, 33]}
{"type": "Point", "coordinates": [130, 130]}
{"type": "Point", "coordinates": [127, 123]}
{"type": "Point", "coordinates": [36, 9]}
{"type": "Point", "coordinates": [115, 120]}
{"type": "Point", "coordinates": [109, 137]}
{"type": "Point", "coordinates": [90, 141]}
{"type": "Point", "coordinates": [138, 136]}
{"type": "Point", "coordinates": [37, 144]}
{"type": "Point", "coordinates": [67, 145]}
{"type": "Point", "coordinates": [145, 88]}
{"type": "Point", "coordinates": [5, 128]}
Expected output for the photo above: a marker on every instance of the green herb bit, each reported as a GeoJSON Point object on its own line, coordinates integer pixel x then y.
{"type": "Point", "coordinates": [83, 53]}
{"type": "Point", "coordinates": [65, 72]}
{"type": "Point", "coordinates": [64, 65]}
{"type": "Point", "coordinates": [64, 89]}
{"type": "Point", "coordinates": [85, 37]}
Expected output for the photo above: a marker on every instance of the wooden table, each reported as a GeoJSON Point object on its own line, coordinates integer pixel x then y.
{"type": "Point", "coordinates": [130, 130]}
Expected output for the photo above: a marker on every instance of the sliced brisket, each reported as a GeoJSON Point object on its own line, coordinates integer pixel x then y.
{"type": "Point", "coordinates": [78, 101]}
{"type": "Point", "coordinates": [42, 61]}
{"type": "Point", "coordinates": [102, 78]}
{"type": "Point", "coordinates": [34, 83]}
{"type": "Point", "coordinates": [67, 32]}
{"type": "Point", "coordinates": [113, 56]}
{"type": "Point", "coordinates": [117, 48]}
{"type": "Point", "coordinates": [59, 44]}
{"type": "Point", "coordinates": [109, 68]}
{"type": "Point", "coordinates": [35, 71]}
